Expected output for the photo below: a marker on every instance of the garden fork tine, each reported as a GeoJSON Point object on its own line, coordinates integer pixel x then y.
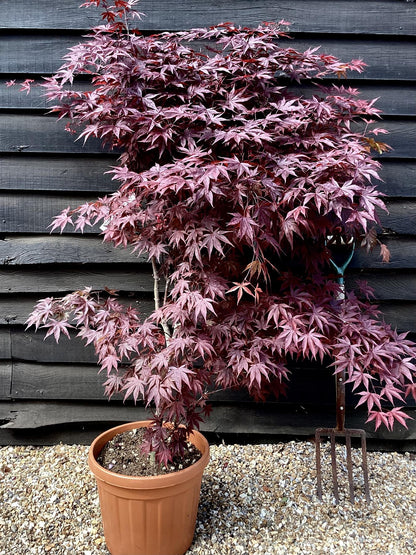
{"type": "Point", "coordinates": [340, 430]}
{"type": "Point", "coordinates": [348, 433]}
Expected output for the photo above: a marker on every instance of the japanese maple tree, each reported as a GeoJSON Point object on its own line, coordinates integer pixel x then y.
{"type": "Point", "coordinates": [234, 183]}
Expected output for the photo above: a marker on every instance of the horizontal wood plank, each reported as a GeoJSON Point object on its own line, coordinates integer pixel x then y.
{"type": "Point", "coordinates": [37, 381]}
{"type": "Point", "coordinates": [398, 177]}
{"type": "Point", "coordinates": [392, 59]}
{"type": "Point", "coordinates": [38, 133]}
{"type": "Point", "coordinates": [402, 255]}
{"type": "Point", "coordinates": [394, 99]}
{"type": "Point", "coordinates": [32, 346]}
{"type": "Point", "coordinates": [5, 344]}
{"type": "Point", "coordinates": [33, 53]}
{"type": "Point", "coordinates": [384, 17]}
{"type": "Point", "coordinates": [387, 286]}
{"type": "Point", "coordinates": [32, 213]}
{"type": "Point", "coordinates": [400, 315]}
{"type": "Point", "coordinates": [5, 380]}
{"type": "Point", "coordinates": [241, 422]}
{"type": "Point", "coordinates": [15, 251]}
{"type": "Point", "coordinates": [28, 345]}
{"type": "Point", "coordinates": [61, 249]}
{"type": "Point", "coordinates": [401, 216]}
{"type": "Point", "coordinates": [62, 280]}
{"type": "Point", "coordinates": [22, 213]}
{"type": "Point", "coordinates": [25, 172]}
{"type": "Point", "coordinates": [32, 380]}
{"type": "Point", "coordinates": [401, 137]}
{"type": "Point", "coordinates": [41, 134]}
{"type": "Point", "coordinates": [15, 309]}
{"type": "Point", "coordinates": [20, 415]}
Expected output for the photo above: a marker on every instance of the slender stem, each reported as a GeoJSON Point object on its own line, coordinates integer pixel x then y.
{"type": "Point", "coordinates": [155, 284]}
{"type": "Point", "coordinates": [156, 279]}
{"type": "Point", "coordinates": [165, 295]}
{"type": "Point", "coordinates": [152, 459]}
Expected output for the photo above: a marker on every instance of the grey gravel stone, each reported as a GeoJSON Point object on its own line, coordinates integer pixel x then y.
{"type": "Point", "coordinates": [255, 499]}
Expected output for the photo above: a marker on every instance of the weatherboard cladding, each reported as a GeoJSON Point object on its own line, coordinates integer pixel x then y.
{"type": "Point", "coordinates": [42, 170]}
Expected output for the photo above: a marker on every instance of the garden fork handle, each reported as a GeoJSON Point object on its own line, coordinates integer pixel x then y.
{"type": "Point", "coordinates": [340, 400]}
{"type": "Point", "coordinates": [340, 376]}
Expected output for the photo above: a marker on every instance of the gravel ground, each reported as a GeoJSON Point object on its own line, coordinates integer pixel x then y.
{"type": "Point", "coordinates": [254, 500]}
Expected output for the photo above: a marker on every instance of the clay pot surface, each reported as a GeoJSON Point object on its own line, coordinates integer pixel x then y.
{"type": "Point", "coordinates": [148, 515]}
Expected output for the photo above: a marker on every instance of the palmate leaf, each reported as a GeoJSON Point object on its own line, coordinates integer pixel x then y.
{"type": "Point", "coordinates": [177, 377]}
{"type": "Point", "coordinates": [312, 345]}
{"type": "Point", "coordinates": [257, 373]}
{"type": "Point", "coordinates": [388, 418]}
{"type": "Point", "coordinates": [370, 398]}
{"type": "Point", "coordinates": [241, 288]}
{"type": "Point", "coordinates": [56, 328]}
{"type": "Point", "coordinates": [214, 241]}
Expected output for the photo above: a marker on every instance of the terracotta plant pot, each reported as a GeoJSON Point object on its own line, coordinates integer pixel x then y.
{"type": "Point", "coordinates": [149, 515]}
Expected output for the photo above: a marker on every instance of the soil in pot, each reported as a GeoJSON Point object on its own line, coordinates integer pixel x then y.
{"type": "Point", "coordinates": [123, 455]}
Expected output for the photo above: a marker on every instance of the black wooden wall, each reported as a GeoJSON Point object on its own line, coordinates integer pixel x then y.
{"type": "Point", "coordinates": [42, 170]}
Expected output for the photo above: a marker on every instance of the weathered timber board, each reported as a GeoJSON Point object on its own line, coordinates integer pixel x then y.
{"type": "Point", "coordinates": [62, 280]}
{"type": "Point", "coordinates": [26, 213]}
{"type": "Point", "coordinates": [5, 379]}
{"type": "Point", "coordinates": [75, 173]}
{"type": "Point", "coordinates": [31, 380]}
{"type": "Point", "coordinates": [5, 344]}
{"type": "Point", "coordinates": [61, 249]}
{"type": "Point", "coordinates": [34, 422]}
{"type": "Point", "coordinates": [394, 99]}
{"type": "Point", "coordinates": [25, 172]}
{"type": "Point", "coordinates": [401, 316]}
{"type": "Point", "coordinates": [388, 286]}
{"type": "Point", "coordinates": [401, 216]}
{"type": "Point", "coordinates": [15, 251]}
{"type": "Point", "coordinates": [15, 309]}
{"type": "Point", "coordinates": [21, 415]}
{"type": "Point", "coordinates": [33, 213]}
{"type": "Point", "coordinates": [81, 381]}
{"type": "Point", "coordinates": [32, 346]}
{"type": "Point", "coordinates": [33, 53]}
{"type": "Point", "coordinates": [40, 133]}
{"type": "Point", "coordinates": [402, 255]}
{"type": "Point", "coordinates": [399, 178]}
{"type": "Point", "coordinates": [299, 421]}
{"type": "Point", "coordinates": [386, 17]}
{"type": "Point", "coordinates": [401, 138]}
{"type": "Point", "coordinates": [46, 366]}
{"type": "Point", "coordinates": [42, 381]}
{"type": "Point", "coordinates": [392, 59]}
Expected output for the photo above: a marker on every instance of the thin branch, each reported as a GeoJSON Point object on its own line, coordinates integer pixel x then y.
{"type": "Point", "coordinates": [156, 279]}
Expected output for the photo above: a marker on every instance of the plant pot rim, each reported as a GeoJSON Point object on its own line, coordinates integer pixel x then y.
{"type": "Point", "coordinates": [144, 482]}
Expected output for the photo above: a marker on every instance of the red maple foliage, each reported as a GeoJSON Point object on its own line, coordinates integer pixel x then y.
{"type": "Point", "coordinates": [231, 180]}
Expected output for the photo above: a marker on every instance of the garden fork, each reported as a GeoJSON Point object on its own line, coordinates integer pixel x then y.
{"type": "Point", "coordinates": [340, 430]}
